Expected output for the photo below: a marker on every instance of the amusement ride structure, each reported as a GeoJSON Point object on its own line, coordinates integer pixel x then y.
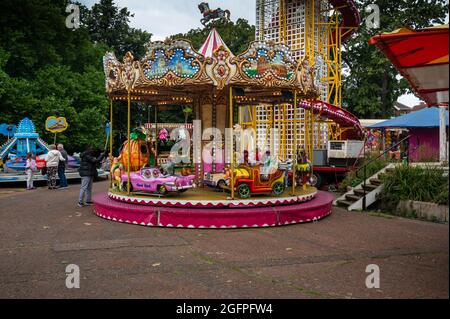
{"type": "Point", "coordinates": [25, 139]}
{"type": "Point", "coordinates": [314, 30]}
{"type": "Point", "coordinates": [271, 89]}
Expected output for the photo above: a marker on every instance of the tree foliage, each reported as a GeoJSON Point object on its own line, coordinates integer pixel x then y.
{"type": "Point", "coordinates": [371, 84]}
{"type": "Point", "coordinates": [109, 24]}
{"type": "Point", "coordinates": [47, 69]}
{"type": "Point", "coordinates": [237, 35]}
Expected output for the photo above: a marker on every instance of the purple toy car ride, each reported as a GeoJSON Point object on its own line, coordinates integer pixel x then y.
{"type": "Point", "coordinates": [151, 180]}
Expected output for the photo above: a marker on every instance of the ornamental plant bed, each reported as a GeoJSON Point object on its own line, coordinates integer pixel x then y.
{"type": "Point", "coordinates": [420, 192]}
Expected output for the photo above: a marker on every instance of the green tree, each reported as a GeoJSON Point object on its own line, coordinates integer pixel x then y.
{"type": "Point", "coordinates": [371, 84]}
{"type": "Point", "coordinates": [109, 24]}
{"type": "Point", "coordinates": [47, 69]}
{"type": "Point", "coordinates": [34, 34]}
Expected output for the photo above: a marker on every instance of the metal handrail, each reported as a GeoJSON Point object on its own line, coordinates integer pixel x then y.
{"type": "Point", "coordinates": [384, 153]}
{"type": "Point", "coordinates": [371, 161]}
{"type": "Point", "coordinates": [361, 151]}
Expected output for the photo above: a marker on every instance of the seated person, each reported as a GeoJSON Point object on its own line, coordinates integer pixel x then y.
{"type": "Point", "coordinates": [269, 166]}
{"type": "Point", "coordinates": [303, 162]}
{"type": "Point", "coordinates": [257, 155]}
{"type": "Point", "coordinates": [168, 168]}
{"type": "Point", "coordinates": [243, 160]}
{"type": "Point", "coordinates": [303, 167]}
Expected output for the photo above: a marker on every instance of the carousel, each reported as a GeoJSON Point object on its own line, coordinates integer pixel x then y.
{"type": "Point", "coordinates": [221, 172]}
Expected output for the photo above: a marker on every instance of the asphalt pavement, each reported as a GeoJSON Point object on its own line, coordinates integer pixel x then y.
{"type": "Point", "coordinates": [43, 231]}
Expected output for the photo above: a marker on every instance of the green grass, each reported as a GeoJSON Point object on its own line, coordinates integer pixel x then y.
{"type": "Point", "coordinates": [382, 215]}
{"type": "Point", "coordinates": [204, 258]}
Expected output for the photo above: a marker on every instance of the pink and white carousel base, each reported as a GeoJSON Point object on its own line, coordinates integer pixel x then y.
{"type": "Point", "coordinates": [213, 217]}
{"type": "Point", "coordinates": [207, 200]}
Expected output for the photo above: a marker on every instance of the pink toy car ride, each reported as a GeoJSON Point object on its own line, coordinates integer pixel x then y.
{"type": "Point", "coordinates": [151, 180]}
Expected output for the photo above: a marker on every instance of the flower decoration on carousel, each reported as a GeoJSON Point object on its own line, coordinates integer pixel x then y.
{"type": "Point", "coordinates": [163, 135]}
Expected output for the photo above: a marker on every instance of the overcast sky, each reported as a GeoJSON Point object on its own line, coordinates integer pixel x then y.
{"type": "Point", "coordinates": [163, 18]}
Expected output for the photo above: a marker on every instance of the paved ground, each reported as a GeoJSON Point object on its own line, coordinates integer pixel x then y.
{"type": "Point", "coordinates": [42, 231]}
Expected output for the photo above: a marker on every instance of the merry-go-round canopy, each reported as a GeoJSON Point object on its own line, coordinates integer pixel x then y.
{"type": "Point", "coordinates": [212, 43]}
{"type": "Point", "coordinates": [172, 72]}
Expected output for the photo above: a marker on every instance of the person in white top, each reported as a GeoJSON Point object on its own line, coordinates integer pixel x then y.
{"type": "Point", "coordinates": [29, 169]}
{"type": "Point", "coordinates": [53, 158]}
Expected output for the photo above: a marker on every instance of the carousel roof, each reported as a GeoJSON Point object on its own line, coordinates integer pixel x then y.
{"type": "Point", "coordinates": [212, 43]}
{"type": "Point", "coordinates": [172, 72]}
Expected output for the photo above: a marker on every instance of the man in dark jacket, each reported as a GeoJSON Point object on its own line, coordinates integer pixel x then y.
{"type": "Point", "coordinates": [88, 170]}
{"type": "Point", "coordinates": [62, 167]}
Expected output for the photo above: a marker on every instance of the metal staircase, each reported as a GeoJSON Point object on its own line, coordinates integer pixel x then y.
{"type": "Point", "coordinates": [6, 147]}
{"type": "Point", "coordinates": [367, 190]}
{"type": "Point", "coordinates": [42, 144]}
{"type": "Point", "coordinates": [365, 194]}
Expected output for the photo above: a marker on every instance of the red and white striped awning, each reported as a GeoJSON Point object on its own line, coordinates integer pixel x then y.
{"type": "Point", "coordinates": [212, 43]}
{"type": "Point", "coordinates": [421, 56]}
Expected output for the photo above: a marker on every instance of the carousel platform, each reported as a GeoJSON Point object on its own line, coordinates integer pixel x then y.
{"type": "Point", "coordinates": [203, 208]}
{"type": "Point", "coordinates": [210, 198]}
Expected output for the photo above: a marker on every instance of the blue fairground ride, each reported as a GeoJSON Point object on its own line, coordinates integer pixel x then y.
{"type": "Point", "coordinates": [24, 140]}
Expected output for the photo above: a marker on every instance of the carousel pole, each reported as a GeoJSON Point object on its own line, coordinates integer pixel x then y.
{"type": "Point", "coordinates": [231, 145]}
{"type": "Point", "coordinates": [156, 136]}
{"type": "Point", "coordinates": [294, 155]}
{"type": "Point", "coordinates": [129, 144]}
{"type": "Point", "coordinates": [307, 132]}
{"type": "Point", "coordinates": [214, 124]}
{"type": "Point", "coordinates": [111, 137]}
{"type": "Point", "coordinates": [313, 135]}
{"type": "Point", "coordinates": [311, 154]}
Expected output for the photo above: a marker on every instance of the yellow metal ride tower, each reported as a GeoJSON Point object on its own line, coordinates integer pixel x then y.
{"type": "Point", "coordinates": [313, 29]}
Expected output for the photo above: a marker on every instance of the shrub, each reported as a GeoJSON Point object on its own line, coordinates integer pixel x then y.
{"type": "Point", "coordinates": [414, 183]}
{"type": "Point", "coordinates": [354, 178]}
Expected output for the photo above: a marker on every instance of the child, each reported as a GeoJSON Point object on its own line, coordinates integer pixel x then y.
{"type": "Point", "coordinates": [30, 167]}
